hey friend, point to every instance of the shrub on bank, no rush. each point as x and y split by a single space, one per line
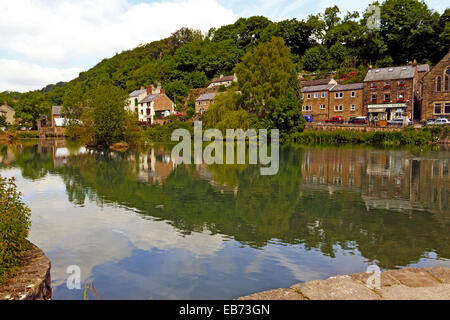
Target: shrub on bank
164 132
391 138
14 226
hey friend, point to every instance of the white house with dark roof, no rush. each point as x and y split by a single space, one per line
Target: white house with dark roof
223 81
134 98
155 106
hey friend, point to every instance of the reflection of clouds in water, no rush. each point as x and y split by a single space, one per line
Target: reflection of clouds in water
91 235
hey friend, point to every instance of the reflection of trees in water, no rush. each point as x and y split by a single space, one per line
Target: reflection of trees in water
236 200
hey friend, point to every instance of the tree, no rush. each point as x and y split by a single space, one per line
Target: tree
72 102
31 106
108 114
285 113
265 74
316 58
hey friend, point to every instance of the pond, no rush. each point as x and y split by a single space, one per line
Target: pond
140 227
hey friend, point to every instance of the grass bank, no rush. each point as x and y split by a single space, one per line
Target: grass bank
409 136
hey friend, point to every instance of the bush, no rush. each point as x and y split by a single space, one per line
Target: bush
14 226
164 133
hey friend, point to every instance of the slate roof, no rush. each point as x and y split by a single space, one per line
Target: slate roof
207 96
225 78
423 68
7 108
137 93
326 87
351 86
57 110
315 82
149 98
391 73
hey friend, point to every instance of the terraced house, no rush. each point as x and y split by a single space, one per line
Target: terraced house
316 101
391 92
436 91
346 100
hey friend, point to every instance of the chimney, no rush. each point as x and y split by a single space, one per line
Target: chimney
415 62
370 67
5 103
149 90
221 76
162 91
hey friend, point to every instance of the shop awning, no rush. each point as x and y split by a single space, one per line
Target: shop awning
377 110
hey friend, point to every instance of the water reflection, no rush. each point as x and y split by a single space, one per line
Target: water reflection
143 227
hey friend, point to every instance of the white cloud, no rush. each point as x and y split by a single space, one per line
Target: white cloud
59 34
24 76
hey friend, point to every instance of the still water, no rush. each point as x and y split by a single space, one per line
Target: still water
140 227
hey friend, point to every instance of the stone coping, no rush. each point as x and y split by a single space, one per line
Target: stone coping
403 284
32 281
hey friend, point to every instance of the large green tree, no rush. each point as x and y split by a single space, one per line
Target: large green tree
31 105
265 74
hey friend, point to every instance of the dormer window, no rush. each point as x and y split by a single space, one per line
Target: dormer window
373 85
401 83
387 84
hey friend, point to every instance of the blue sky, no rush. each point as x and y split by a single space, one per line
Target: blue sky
46 41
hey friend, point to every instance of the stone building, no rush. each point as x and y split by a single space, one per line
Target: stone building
203 102
391 92
316 101
346 100
223 81
155 107
134 98
436 91
8 112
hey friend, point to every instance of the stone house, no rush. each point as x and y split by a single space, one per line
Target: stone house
203 102
155 106
8 112
346 100
391 92
436 91
316 101
223 81
55 126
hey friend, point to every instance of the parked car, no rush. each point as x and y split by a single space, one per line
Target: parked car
399 121
430 122
441 121
336 119
358 120
308 118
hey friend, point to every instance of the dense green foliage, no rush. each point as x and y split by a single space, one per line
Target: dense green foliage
164 133
14 225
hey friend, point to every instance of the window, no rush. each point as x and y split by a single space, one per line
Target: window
148 112
438 84
374 98
401 83
338 108
401 97
353 94
437 108
316 95
323 94
387 97
387 84
373 85
309 95
446 83
307 108
353 107
338 95
322 107
447 108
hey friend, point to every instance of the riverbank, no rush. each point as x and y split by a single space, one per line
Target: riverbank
32 281
404 284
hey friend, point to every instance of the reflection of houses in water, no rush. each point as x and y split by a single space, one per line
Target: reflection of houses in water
155 166
392 180
58 150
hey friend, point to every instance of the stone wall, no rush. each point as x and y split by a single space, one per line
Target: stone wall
32 282
347 127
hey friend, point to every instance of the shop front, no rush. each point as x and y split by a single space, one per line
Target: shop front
381 113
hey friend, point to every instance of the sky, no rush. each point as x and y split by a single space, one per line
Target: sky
46 41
